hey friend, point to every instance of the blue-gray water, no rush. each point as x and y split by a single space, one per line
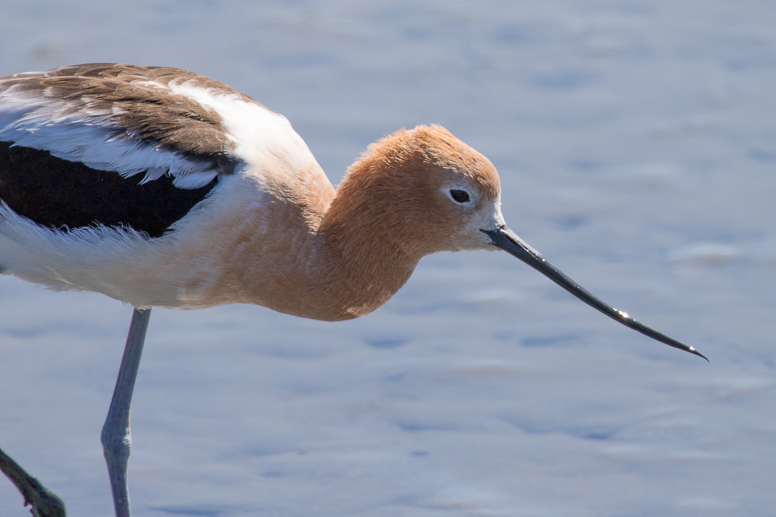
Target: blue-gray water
636 142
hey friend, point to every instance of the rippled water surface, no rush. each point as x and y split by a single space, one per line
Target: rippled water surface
636 142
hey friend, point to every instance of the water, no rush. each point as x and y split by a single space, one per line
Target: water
636 146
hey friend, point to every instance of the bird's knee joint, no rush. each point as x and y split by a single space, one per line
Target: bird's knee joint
116 444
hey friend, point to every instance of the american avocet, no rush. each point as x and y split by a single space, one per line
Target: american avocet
161 187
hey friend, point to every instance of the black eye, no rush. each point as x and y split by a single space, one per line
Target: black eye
459 196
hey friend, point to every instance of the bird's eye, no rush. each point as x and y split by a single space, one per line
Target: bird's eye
459 196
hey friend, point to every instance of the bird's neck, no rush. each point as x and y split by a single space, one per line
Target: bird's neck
340 257
367 246
363 267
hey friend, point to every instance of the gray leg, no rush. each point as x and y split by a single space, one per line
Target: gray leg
116 436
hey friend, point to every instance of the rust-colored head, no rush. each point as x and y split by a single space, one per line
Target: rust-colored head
423 191
413 193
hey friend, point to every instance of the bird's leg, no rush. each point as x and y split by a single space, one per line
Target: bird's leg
116 436
43 502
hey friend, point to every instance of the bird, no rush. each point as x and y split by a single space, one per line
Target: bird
160 187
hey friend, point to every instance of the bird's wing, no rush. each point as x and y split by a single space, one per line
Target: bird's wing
122 118
115 143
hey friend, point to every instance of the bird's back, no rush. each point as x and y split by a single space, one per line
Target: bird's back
145 183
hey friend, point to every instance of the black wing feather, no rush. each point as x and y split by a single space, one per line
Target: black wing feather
133 104
62 194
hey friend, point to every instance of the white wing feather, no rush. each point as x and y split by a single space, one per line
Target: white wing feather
91 138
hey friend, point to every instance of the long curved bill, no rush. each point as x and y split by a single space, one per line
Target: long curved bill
508 241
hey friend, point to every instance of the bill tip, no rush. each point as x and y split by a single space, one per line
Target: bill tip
693 351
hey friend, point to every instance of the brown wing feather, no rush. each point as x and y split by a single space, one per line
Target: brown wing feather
121 93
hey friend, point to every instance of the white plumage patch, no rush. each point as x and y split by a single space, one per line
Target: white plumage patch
254 130
179 270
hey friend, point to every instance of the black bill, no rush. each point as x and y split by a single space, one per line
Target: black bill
508 241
